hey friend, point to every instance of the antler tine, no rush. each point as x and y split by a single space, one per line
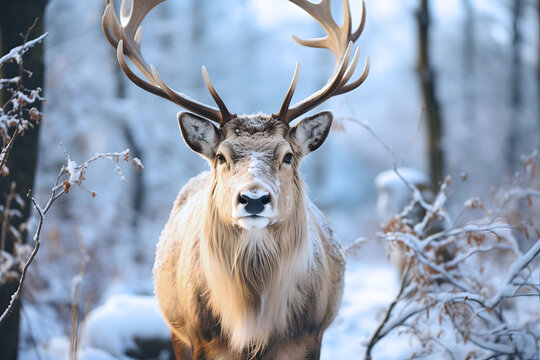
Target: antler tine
355 35
129 29
336 38
126 36
154 89
350 70
339 40
225 114
110 24
282 114
161 89
187 103
322 94
357 82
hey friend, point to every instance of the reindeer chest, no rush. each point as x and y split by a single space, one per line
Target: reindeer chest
252 326
259 296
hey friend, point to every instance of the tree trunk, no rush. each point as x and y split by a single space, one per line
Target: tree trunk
16 17
515 88
427 82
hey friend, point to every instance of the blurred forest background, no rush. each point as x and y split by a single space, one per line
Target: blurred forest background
453 89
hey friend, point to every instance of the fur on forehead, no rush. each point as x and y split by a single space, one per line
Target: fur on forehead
255 125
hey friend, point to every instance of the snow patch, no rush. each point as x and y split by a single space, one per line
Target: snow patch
113 326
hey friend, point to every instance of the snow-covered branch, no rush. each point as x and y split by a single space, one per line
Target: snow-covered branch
17 52
464 273
71 174
16 114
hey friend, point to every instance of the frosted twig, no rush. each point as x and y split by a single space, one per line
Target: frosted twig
4 82
469 228
518 192
16 295
7 149
17 52
75 172
400 320
446 348
377 335
355 245
473 251
417 196
5 218
496 348
415 135
515 269
14 117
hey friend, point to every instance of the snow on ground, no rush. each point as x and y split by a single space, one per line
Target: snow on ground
369 288
109 330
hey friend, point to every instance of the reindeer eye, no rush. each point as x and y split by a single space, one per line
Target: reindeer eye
287 159
220 158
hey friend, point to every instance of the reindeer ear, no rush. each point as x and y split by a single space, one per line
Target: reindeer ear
312 131
199 134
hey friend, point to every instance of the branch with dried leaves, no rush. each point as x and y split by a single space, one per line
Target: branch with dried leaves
468 278
71 174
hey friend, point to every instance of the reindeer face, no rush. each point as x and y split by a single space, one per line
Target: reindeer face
255 163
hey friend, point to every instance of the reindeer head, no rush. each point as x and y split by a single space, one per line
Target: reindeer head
254 158
255 162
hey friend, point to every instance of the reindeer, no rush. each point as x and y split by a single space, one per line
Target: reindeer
247 267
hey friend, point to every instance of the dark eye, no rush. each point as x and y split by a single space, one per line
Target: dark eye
220 158
287 159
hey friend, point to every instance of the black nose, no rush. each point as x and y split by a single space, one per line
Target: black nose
254 206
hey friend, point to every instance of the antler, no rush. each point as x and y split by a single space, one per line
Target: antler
126 36
339 40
